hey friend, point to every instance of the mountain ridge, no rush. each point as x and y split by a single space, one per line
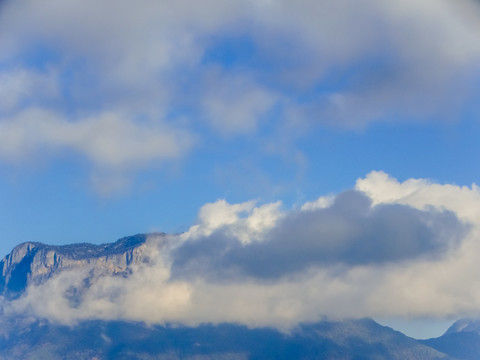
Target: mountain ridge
35 262
362 339
461 340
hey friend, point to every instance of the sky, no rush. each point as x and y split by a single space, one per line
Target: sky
337 139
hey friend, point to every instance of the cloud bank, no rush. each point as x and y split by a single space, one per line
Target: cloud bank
348 233
384 248
178 70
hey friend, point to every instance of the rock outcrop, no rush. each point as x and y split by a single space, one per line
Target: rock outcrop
33 262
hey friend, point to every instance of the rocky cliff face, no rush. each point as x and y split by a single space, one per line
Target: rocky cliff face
33 263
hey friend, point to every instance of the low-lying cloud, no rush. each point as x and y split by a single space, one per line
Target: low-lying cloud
383 249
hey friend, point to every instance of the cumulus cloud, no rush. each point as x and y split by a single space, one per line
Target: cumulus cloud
349 232
245 222
422 193
366 254
320 203
343 63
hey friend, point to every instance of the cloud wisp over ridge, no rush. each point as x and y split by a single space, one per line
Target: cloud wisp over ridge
371 251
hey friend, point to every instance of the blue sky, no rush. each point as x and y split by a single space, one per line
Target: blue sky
120 118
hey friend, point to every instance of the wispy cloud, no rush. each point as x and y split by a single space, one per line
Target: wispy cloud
113 142
340 63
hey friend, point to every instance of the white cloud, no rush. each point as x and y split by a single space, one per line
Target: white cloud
414 53
401 60
321 203
21 85
448 31
440 285
245 221
415 68
423 193
111 141
234 105
349 232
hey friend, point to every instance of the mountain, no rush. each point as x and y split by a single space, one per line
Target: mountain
461 340
346 340
33 262
24 337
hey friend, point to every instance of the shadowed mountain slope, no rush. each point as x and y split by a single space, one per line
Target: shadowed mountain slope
346 340
461 340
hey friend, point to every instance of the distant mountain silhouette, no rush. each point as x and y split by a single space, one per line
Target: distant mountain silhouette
345 340
461 340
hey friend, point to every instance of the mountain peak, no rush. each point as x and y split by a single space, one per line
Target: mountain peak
465 325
